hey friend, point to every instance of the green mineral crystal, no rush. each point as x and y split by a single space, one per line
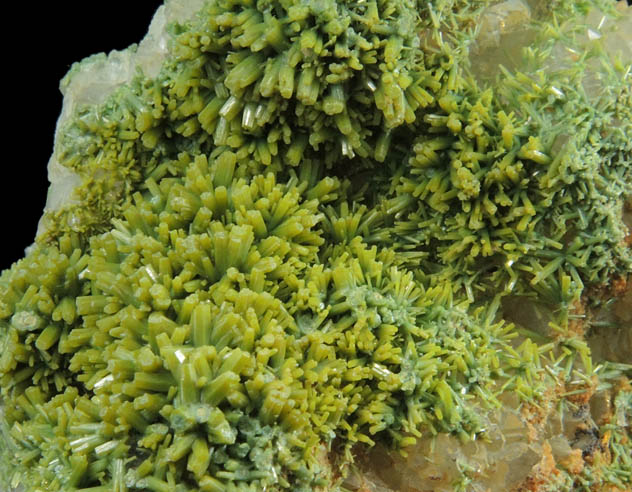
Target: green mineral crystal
319 231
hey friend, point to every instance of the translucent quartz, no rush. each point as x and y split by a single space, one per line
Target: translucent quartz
503 32
92 80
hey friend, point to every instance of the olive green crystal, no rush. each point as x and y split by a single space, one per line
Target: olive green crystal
323 229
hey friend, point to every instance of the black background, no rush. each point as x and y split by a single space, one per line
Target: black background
41 41
48 38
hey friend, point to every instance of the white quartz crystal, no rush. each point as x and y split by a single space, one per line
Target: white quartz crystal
93 79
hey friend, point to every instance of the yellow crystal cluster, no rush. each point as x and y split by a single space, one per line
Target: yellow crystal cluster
320 237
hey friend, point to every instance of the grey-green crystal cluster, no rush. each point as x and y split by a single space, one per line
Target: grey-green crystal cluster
296 231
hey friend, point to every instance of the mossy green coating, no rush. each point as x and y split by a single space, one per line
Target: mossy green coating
230 303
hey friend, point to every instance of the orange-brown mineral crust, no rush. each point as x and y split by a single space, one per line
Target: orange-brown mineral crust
542 473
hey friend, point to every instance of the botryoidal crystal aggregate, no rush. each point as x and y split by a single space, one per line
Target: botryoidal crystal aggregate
323 230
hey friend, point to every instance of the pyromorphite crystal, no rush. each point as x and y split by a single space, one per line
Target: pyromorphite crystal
333 246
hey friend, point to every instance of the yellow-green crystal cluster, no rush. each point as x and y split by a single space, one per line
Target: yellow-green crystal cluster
298 238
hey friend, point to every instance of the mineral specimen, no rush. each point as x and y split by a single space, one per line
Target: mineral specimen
337 246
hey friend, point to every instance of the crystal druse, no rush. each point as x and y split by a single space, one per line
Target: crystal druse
375 245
